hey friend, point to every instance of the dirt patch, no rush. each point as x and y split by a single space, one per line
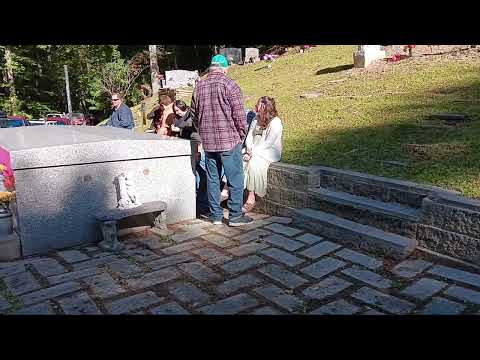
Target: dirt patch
436 151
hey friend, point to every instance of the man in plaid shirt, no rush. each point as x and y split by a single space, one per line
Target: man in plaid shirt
222 124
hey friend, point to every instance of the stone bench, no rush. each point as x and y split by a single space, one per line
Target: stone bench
108 221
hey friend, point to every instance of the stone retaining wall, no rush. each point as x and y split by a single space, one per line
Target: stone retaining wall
449 223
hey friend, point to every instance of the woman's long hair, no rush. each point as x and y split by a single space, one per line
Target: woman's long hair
268 110
181 105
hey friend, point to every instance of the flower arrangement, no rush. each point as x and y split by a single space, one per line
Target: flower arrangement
7 184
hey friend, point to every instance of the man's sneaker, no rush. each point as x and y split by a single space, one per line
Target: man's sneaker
242 220
209 217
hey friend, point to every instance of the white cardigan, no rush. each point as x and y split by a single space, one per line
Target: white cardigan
270 145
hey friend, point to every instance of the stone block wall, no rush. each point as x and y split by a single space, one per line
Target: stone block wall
449 223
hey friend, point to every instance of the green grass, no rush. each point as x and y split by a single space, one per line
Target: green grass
370 116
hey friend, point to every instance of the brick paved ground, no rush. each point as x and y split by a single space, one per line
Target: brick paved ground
265 268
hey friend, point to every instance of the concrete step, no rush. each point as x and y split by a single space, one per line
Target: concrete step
388 216
358 235
386 208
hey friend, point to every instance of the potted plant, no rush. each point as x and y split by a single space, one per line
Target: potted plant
7 193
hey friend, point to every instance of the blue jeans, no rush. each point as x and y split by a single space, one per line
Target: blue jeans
233 167
201 183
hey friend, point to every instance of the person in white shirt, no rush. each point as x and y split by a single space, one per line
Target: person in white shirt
263 146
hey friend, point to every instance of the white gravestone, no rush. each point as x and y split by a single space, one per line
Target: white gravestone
252 55
367 54
180 78
234 55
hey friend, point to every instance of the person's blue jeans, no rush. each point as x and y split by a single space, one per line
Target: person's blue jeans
201 180
233 167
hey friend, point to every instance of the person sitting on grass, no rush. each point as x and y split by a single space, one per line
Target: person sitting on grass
263 146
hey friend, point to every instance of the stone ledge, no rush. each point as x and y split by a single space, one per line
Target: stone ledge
292 176
292 197
449 216
452 216
383 182
358 235
359 202
449 243
457 200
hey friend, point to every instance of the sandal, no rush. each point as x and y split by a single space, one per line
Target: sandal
248 207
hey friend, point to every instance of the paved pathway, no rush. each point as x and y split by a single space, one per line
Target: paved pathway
268 267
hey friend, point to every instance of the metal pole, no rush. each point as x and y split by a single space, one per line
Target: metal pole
67 86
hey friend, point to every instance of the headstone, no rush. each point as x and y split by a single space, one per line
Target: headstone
252 55
180 78
64 175
367 54
234 55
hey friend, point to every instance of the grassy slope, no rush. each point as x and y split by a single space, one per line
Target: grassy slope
370 115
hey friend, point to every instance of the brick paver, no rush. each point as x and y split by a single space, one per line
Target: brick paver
44 308
463 294
71 256
284 242
325 288
278 296
386 302
188 293
309 238
424 288
132 303
235 284
283 276
283 230
243 264
172 308
368 277
410 268
320 249
441 306
456 275
323 267
103 286
358 258
21 283
79 304
339 307
231 305
50 292
282 256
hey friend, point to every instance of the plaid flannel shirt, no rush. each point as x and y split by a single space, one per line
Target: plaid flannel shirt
217 103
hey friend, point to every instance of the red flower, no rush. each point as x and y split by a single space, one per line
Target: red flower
8 179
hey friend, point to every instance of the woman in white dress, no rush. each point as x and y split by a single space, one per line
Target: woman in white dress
263 146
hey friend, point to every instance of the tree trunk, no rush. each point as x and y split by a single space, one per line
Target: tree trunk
175 66
154 71
9 71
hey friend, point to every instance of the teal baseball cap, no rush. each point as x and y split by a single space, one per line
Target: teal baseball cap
220 60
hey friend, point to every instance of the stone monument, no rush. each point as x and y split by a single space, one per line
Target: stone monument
252 55
233 55
180 78
65 175
366 54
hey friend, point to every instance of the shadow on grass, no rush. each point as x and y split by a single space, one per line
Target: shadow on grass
331 70
380 149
